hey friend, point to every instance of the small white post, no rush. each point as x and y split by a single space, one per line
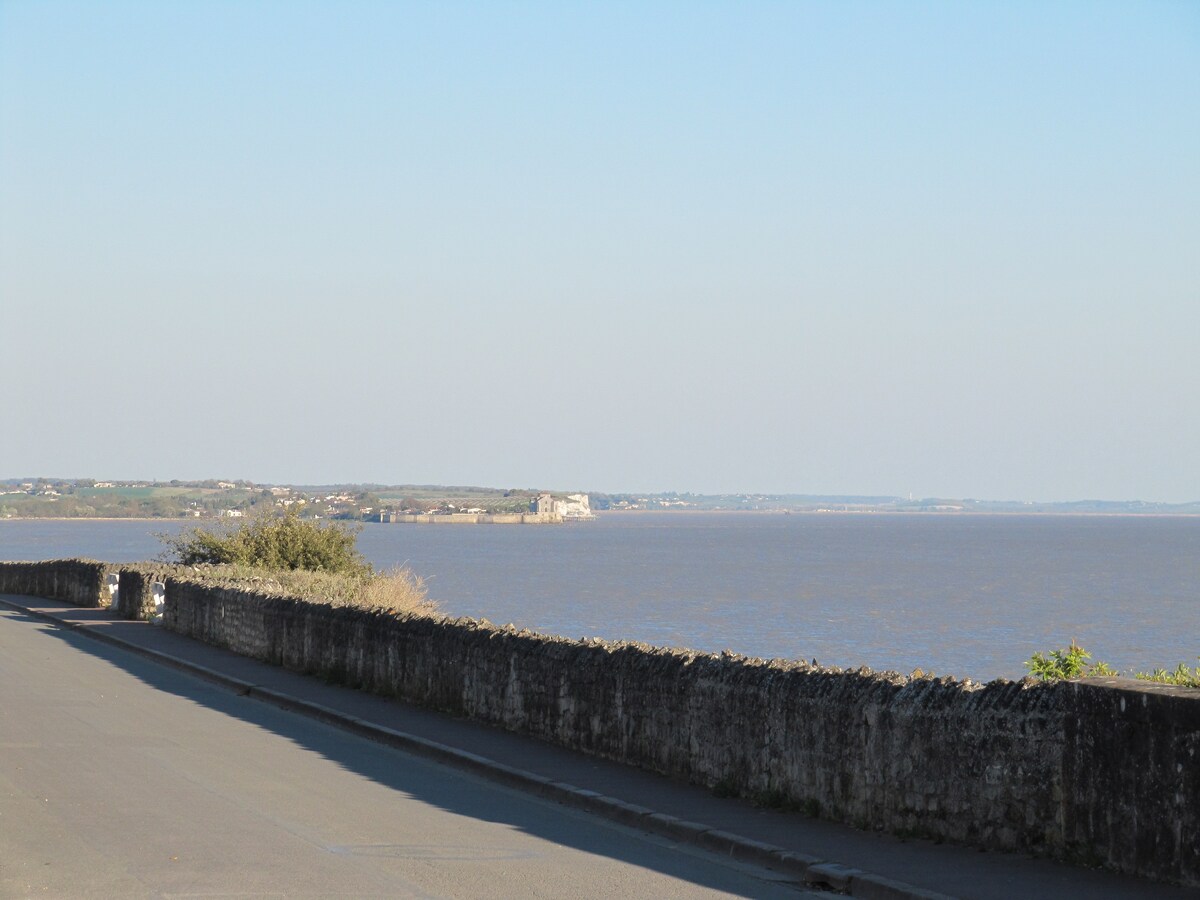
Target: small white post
158 591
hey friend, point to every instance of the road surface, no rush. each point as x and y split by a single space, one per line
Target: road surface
121 778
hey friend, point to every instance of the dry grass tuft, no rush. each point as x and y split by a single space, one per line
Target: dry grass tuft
397 591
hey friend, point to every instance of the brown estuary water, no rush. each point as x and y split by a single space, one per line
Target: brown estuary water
964 595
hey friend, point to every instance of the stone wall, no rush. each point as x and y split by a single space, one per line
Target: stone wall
1102 771
136 595
1131 776
80 582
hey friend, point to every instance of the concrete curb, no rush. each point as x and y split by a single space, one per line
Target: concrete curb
809 870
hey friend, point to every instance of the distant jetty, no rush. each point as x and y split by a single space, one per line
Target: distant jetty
546 509
472 518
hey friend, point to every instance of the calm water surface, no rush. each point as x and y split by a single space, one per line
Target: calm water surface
961 595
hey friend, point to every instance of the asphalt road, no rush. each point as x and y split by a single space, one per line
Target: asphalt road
121 778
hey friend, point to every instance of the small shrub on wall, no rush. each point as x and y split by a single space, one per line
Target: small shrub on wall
272 541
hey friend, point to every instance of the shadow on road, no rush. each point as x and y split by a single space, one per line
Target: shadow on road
412 776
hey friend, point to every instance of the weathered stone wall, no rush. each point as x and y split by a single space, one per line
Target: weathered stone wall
1104 771
1099 771
1131 776
80 582
136 597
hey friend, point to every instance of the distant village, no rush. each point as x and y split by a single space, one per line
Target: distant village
218 499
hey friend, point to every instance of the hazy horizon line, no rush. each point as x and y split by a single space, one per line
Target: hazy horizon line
812 494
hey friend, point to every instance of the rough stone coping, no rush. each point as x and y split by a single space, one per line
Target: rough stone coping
808 869
920 681
668 655
65 559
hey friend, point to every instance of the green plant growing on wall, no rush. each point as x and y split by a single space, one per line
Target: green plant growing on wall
1182 676
1070 662
272 541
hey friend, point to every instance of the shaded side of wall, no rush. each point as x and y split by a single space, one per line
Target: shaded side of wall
80 582
1095 772
136 591
1131 777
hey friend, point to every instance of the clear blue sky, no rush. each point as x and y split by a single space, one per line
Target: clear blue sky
946 248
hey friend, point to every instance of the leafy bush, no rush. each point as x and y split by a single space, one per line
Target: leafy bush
1070 662
1182 676
273 542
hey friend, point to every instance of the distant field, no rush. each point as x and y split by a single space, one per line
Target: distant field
142 493
442 494
152 501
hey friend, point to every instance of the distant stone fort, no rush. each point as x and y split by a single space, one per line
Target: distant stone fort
575 506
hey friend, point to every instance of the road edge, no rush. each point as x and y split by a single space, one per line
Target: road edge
810 870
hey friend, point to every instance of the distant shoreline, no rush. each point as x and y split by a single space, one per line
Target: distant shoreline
972 514
99 519
634 513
